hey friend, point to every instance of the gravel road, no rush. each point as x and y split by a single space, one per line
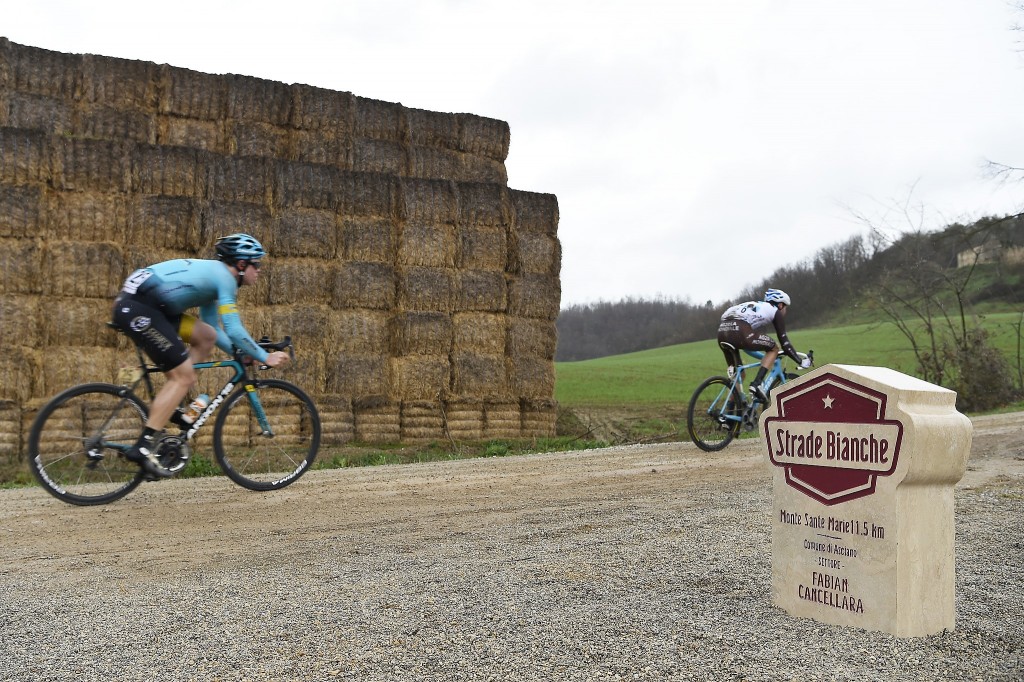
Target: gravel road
628 563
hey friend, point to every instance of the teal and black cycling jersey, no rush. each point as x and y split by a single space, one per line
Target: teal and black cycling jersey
177 285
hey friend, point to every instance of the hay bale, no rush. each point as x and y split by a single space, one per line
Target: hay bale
321 146
426 289
22 213
484 136
337 421
88 216
429 201
67 366
479 333
172 171
39 112
433 128
479 375
420 377
379 156
484 204
377 120
120 84
193 95
531 338
107 123
91 165
502 419
421 421
368 194
141 256
82 269
482 291
253 138
167 223
377 423
257 99
535 212
368 239
421 333
247 180
537 254
464 419
10 430
364 285
536 296
44 72
474 168
24 156
21 264
300 280
21 313
320 109
309 232
311 185
531 377
309 371
431 162
19 374
432 245
310 326
227 217
483 248
357 331
539 418
358 374
210 136
76 322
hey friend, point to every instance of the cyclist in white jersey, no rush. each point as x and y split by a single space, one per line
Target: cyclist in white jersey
739 330
151 310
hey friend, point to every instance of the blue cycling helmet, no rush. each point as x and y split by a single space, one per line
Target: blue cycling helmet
241 246
776 296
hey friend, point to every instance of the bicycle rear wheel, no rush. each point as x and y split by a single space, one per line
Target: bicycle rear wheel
706 418
76 444
267 460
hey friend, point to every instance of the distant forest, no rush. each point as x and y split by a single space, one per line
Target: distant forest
836 279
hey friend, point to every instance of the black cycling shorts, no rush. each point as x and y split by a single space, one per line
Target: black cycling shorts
159 335
743 337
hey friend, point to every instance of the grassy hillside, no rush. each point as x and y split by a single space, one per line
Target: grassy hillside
666 377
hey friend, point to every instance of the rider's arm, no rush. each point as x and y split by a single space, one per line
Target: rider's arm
787 346
234 332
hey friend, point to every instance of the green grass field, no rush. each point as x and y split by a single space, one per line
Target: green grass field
666 377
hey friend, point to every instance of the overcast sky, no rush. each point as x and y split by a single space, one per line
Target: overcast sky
695 146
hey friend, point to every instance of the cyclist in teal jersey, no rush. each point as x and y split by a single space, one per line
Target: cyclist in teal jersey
151 310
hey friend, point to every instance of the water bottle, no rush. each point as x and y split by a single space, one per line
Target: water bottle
196 408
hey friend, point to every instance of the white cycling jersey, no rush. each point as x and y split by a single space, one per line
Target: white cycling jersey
755 313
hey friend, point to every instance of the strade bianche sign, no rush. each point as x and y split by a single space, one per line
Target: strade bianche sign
832 439
864 463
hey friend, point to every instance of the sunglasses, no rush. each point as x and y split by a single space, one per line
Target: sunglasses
255 264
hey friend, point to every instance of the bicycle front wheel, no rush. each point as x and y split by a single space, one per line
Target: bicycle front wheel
707 419
77 441
266 438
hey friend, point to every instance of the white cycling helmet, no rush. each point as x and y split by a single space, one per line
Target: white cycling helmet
776 296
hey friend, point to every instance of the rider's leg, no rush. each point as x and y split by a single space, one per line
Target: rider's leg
200 336
179 381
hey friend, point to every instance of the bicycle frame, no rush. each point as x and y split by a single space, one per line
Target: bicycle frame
238 376
776 373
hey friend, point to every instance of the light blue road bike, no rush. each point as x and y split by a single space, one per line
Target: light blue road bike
721 409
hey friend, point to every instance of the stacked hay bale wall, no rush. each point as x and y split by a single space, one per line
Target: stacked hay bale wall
420 289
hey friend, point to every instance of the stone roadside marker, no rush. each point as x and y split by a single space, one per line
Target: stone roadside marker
865 460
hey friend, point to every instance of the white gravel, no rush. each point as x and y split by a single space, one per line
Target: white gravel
620 584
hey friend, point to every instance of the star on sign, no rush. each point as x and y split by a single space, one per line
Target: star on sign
828 400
